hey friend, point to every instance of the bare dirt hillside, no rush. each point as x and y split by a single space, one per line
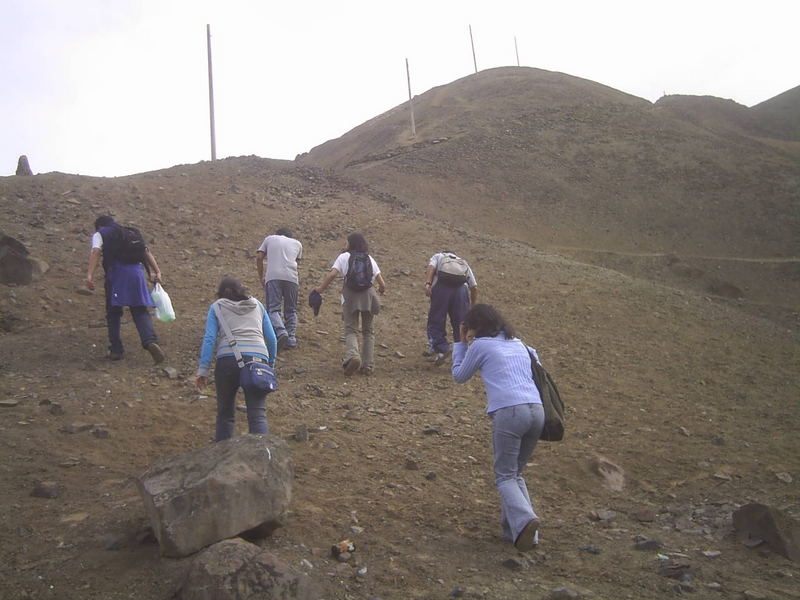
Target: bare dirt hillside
694 398
689 190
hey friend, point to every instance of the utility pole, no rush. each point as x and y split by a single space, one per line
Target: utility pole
516 49
211 96
410 102
472 42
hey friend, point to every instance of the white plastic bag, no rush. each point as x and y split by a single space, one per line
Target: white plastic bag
164 310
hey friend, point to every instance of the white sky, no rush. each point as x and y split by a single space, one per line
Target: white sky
115 87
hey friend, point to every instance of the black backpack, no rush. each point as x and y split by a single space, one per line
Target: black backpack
126 245
554 418
359 272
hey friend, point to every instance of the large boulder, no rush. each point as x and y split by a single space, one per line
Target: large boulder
756 522
238 570
241 486
15 265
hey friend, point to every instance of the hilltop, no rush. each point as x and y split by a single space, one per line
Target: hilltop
676 191
692 393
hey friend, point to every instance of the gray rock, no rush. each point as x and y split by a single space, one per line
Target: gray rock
241 486
239 570
563 593
47 489
23 167
170 372
15 264
761 522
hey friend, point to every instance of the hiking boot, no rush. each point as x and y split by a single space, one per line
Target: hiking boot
282 339
156 352
291 343
528 537
351 366
115 356
365 371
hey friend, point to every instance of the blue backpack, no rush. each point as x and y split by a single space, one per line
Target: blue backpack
359 272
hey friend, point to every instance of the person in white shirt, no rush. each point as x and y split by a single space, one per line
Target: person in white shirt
450 296
281 283
359 300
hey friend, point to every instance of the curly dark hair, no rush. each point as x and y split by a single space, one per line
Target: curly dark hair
232 289
356 242
487 322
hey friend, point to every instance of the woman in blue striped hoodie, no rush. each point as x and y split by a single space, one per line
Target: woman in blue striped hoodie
514 405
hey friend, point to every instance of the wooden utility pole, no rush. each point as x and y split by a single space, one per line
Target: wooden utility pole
472 42
516 50
211 96
410 102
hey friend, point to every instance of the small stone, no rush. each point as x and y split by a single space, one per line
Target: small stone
684 431
457 593
603 515
8 403
430 476
648 545
76 427
299 370
47 489
784 477
171 372
431 431
591 549
712 553
563 593
101 433
356 529
722 476
514 564
56 409
344 557
713 585
301 433
82 291
399 354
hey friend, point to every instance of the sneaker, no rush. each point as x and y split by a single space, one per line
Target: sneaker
351 366
291 343
115 356
282 339
156 352
365 371
428 351
528 537
439 359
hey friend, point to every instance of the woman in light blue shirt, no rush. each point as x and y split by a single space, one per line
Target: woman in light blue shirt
513 403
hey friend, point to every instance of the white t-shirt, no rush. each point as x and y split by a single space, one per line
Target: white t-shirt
97 240
281 254
436 259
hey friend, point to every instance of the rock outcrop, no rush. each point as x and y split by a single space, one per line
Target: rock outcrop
240 486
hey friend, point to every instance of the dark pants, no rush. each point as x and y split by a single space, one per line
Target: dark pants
446 301
226 381
141 318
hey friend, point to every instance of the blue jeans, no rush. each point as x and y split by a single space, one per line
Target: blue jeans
226 382
282 294
446 301
515 431
141 318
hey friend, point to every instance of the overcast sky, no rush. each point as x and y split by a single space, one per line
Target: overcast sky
115 87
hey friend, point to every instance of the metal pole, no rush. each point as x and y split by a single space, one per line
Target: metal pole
516 49
472 42
211 96
410 102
